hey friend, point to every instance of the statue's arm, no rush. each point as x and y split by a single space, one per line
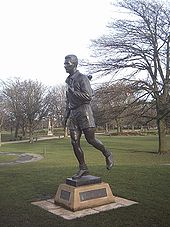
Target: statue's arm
67 112
83 90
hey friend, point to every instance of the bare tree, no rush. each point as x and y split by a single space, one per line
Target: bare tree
109 104
35 104
57 102
116 103
137 49
27 102
13 96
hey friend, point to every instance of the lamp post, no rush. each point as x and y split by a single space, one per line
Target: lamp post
49 127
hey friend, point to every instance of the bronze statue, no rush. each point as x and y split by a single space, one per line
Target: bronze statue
79 112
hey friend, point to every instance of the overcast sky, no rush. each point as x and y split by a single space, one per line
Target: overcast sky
37 34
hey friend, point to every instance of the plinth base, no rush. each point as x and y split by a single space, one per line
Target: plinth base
84 180
87 196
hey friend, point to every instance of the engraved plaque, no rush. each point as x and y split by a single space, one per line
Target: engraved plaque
65 195
93 194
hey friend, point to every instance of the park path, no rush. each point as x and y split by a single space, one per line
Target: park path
38 139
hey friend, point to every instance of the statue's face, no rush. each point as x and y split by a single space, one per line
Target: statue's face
69 66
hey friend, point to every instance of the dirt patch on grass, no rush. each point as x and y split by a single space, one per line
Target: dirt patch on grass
20 158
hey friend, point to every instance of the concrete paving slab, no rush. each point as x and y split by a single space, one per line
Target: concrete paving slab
46 205
69 215
50 206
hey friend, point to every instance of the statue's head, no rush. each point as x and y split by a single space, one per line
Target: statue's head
72 58
70 64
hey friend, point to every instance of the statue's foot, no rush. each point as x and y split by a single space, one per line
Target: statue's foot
80 173
109 161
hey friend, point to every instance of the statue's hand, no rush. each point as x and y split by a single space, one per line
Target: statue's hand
66 116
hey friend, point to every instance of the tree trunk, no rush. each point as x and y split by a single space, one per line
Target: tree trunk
31 133
133 127
0 134
119 126
23 131
0 138
16 130
162 136
65 132
107 128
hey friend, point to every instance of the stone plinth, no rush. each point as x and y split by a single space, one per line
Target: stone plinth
82 197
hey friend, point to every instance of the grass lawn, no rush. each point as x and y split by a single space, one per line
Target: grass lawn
139 174
7 158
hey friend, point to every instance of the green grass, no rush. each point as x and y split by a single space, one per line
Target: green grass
139 175
7 158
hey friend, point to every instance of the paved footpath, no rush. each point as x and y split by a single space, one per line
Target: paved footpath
38 139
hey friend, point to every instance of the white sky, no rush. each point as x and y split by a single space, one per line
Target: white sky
35 35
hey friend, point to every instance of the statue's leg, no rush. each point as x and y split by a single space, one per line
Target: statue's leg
91 139
75 141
